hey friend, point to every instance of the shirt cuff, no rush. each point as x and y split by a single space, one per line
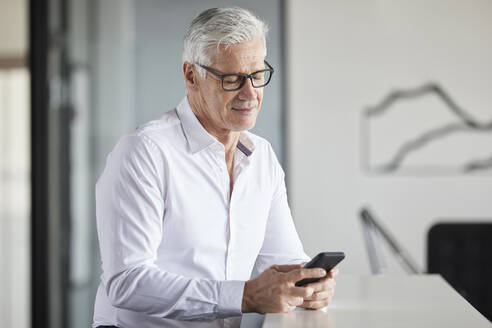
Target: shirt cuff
230 298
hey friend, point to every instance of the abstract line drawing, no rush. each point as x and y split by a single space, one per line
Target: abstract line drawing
479 164
462 122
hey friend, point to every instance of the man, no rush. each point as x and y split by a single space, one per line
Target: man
187 204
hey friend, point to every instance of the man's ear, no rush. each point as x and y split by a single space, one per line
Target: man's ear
190 76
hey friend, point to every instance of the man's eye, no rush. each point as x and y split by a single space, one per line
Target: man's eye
259 76
232 79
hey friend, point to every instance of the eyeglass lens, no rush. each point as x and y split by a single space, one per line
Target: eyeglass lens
259 79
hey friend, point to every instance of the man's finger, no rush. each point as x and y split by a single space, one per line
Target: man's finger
304 292
316 305
286 267
324 284
319 296
333 272
295 301
302 273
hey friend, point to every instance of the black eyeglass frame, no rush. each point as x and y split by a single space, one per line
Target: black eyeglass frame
245 76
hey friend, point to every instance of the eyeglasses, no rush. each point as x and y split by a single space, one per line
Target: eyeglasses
235 81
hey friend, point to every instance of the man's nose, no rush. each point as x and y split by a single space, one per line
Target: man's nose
247 91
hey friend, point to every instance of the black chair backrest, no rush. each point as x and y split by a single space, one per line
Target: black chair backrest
462 254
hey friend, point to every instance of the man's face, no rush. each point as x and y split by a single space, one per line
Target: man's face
232 110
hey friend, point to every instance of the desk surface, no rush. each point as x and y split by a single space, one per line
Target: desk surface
387 301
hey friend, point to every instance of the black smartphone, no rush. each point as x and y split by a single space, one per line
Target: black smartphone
326 260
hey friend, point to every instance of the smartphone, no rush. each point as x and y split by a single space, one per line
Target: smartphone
326 260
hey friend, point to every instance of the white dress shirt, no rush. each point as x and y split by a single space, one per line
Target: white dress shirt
175 248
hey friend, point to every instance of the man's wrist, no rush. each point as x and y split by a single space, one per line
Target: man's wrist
247 303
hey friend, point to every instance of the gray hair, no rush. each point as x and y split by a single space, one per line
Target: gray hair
220 26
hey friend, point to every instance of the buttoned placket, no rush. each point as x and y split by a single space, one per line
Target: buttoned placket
240 161
218 151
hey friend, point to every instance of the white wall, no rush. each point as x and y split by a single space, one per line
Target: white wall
345 55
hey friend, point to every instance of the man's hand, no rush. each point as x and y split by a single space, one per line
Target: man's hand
323 291
274 289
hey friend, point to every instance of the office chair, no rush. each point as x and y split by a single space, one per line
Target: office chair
462 254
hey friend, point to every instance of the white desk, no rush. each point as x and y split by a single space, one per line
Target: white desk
387 301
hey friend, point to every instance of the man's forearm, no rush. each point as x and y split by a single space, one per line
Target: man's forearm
156 292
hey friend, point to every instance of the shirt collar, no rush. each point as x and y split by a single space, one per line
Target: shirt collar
245 144
198 138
